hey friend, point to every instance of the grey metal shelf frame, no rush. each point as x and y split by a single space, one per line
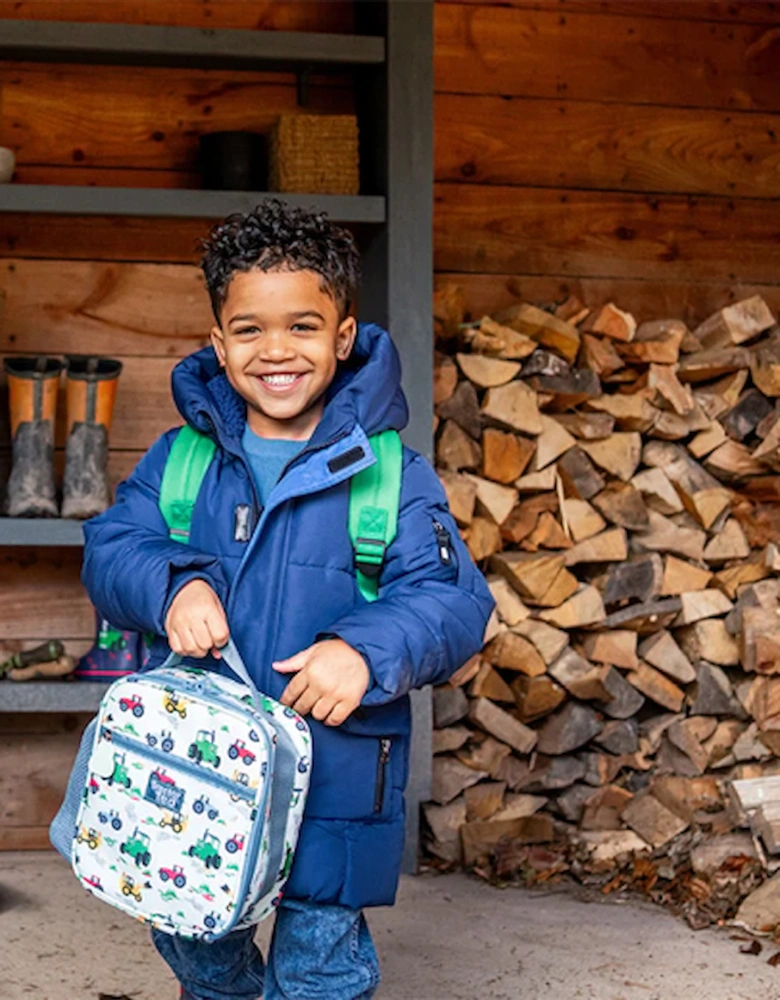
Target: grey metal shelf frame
43 531
391 60
176 203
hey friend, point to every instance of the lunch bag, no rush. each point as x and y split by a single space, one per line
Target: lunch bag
184 805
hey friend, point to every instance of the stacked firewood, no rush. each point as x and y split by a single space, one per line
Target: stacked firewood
617 483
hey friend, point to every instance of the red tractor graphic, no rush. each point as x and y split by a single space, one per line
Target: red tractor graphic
236 843
175 874
240 749
132 704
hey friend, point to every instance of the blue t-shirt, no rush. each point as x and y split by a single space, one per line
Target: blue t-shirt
267 458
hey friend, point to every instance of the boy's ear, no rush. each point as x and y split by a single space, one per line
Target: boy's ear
218 343
345 338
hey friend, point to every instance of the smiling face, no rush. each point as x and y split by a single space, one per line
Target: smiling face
280 340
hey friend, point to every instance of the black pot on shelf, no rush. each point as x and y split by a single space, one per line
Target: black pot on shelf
234 161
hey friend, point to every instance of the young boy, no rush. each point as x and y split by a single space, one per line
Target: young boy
290 390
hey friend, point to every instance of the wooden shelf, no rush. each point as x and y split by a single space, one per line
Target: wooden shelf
176 203
51 696
155 45
40 531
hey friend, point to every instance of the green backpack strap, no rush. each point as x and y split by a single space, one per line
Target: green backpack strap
374 498
189 458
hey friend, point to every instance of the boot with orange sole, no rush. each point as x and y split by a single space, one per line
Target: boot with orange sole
32 396
92 384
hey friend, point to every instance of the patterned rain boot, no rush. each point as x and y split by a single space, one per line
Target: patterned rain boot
92 384
32 397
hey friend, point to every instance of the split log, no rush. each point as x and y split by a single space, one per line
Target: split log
733 577
445 823
709 364
661 651
583 520
484 800
469 670
657 342
505 456
544 328
538 577
537 482
729 543
600 356
445 378
480 839
631 413
622 504
619 736
488 683
450 778
548 641
515 406
456 450
523 519
451 738
485 755
486 372
493 500
501 341
513 652
765 366
617 647
760 640
483 538
665 536
536 697
663 379
706 441
544 362
503 726
701 494
714 694
735 324
587 426
698 605
604 807
612 322
618 454
566 391
640 580
579 477
511 609
652 821
741 420
656 687
461 496
548 534
681 576
463 408
709 640
733 460
609 546
568 729
581 678
657 490
553 442
647 617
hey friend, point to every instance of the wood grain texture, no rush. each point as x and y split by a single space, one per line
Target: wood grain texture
601 146
75 307
33 777
141 117
511 50
730 11
603 234
690 301
41 596
269 15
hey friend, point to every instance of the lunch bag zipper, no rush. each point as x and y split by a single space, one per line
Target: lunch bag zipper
384 756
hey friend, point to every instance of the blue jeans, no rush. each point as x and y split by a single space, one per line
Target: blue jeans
317 952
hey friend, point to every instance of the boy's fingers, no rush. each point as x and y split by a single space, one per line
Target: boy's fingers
292 663
294 690
322 709
201 634
306 702
174 641
337 715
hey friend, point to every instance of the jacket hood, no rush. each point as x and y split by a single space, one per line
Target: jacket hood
366 391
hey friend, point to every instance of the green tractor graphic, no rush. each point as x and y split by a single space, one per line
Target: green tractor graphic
207 850
119 775
204 749
137 846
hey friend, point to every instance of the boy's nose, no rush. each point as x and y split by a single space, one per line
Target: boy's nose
276 347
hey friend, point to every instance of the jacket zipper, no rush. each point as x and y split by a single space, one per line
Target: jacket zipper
444 543
384 756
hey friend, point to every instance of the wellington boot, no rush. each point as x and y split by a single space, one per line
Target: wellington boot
32 396
92 384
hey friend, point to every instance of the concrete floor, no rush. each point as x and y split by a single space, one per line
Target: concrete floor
448 938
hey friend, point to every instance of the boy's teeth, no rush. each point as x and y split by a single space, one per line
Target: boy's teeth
279 379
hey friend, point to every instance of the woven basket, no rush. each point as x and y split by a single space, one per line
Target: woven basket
315 154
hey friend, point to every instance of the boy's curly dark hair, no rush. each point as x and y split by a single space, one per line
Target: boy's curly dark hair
276 236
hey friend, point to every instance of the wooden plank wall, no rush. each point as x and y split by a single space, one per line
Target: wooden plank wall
626 150
122 288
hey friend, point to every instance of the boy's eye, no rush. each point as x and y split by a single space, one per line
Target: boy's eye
303 326
247 329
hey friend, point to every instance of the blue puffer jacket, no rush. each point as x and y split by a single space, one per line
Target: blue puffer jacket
293 582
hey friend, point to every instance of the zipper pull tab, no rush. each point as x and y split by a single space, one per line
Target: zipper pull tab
444 541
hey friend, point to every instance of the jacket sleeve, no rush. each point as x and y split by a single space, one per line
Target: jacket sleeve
132 570
431 613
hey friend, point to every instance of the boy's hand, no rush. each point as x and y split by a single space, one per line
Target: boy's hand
330 680
196 623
